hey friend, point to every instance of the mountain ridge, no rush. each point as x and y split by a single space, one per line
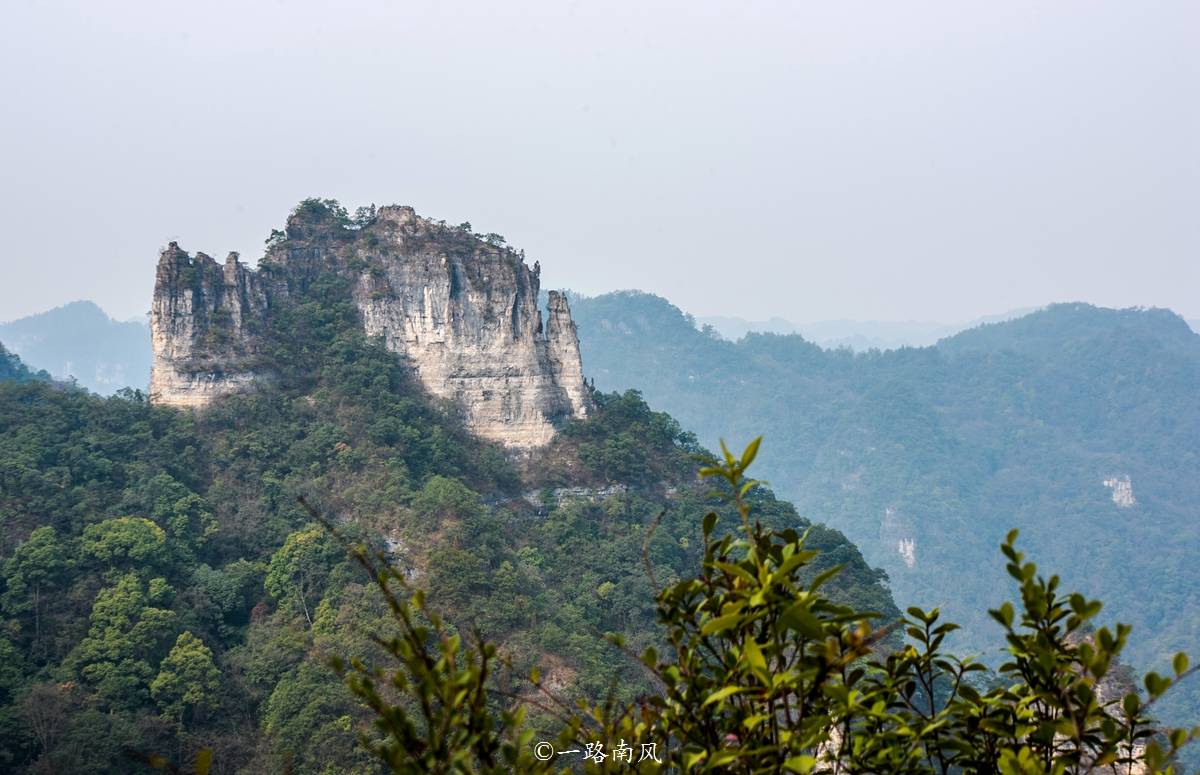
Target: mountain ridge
79 340
1076 424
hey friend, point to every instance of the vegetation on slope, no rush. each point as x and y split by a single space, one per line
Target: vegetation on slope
765 674
1015 424
163 590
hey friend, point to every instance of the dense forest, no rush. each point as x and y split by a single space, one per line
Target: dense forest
174 582
165 589
925 457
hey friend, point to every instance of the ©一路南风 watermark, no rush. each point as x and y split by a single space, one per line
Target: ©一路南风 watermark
594 752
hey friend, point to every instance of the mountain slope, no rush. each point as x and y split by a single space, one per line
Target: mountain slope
858 335
79 340
1078 425
140 543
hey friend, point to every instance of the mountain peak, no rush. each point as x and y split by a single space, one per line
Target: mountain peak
461 310
1069 324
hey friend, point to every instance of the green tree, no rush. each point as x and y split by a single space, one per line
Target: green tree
310 727
184 515
188 683
445 498
125 542
297 571
128 632
36 568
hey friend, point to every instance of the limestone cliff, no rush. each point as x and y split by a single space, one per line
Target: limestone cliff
203 323
460 311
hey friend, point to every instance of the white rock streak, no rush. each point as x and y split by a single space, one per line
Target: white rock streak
1122 490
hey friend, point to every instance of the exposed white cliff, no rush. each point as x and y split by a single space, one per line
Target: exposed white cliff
202 347
1122 491
461 312
898 530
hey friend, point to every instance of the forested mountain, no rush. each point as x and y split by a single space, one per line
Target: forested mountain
163 588
80 340
1078 425
858 335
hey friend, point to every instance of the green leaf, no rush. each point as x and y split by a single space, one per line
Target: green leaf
793 562
722 693
1004 614
1156 684
755 720
720 623
751 452
917 614
803 763
1180 663
710 521
724 756
798 617
753 654
736 570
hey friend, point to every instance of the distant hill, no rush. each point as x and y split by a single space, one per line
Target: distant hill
858 335
1078 425
80 340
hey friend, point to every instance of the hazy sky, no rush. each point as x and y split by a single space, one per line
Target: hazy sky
897 160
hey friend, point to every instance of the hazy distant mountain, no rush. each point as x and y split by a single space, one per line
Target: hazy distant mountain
1078 425
858 335
79 340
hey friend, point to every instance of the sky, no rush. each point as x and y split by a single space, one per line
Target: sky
823 160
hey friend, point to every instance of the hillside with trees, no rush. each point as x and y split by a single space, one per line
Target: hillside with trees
168 587
1078 425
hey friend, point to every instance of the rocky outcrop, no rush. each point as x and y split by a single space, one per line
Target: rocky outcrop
203 328
463 313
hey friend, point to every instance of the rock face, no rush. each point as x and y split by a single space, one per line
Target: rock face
1122 491
898 530
203 328
461 312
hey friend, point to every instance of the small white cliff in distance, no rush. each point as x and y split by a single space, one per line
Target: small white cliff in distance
1122 490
